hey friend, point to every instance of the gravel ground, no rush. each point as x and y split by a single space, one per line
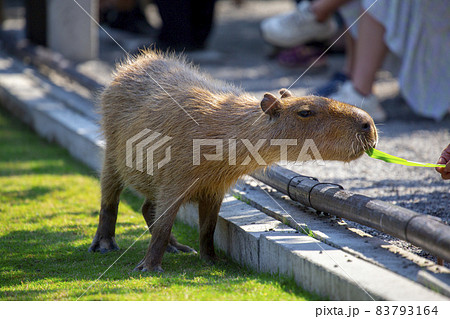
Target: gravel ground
237 54
419 189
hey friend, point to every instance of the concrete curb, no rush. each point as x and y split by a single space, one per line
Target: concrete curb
245 233
335 232
29 99
264 244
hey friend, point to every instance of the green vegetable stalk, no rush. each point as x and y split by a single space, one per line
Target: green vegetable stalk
374 153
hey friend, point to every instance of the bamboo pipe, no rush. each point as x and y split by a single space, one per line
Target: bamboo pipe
424 231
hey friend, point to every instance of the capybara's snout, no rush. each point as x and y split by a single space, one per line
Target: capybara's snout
361 131
366 125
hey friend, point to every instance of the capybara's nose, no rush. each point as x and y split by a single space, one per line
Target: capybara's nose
369 130
364 121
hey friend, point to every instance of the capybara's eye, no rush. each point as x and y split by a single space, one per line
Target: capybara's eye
304 113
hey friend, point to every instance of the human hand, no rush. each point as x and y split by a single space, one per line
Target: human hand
444 159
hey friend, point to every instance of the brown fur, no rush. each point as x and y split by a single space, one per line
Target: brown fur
134 101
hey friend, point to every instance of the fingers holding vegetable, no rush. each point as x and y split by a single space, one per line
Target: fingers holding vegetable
444 159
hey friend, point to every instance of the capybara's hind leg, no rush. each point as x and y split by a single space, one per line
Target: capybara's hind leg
148 211
104 240
165 214
208 210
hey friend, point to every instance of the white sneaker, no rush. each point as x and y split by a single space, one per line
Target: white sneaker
348 94
295 28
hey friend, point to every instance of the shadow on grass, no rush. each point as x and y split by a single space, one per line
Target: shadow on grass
48 255
31 193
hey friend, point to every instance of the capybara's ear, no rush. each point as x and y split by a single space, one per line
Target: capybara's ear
270 104
285 93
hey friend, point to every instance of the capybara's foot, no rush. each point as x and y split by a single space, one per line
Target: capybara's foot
172 249
103 245
177 247
142 266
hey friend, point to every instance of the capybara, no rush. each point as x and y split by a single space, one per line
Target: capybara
161 97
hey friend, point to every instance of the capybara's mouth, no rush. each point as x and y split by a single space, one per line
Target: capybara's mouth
363 143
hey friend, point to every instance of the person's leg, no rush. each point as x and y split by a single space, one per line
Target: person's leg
176 31
364 60
340 77
125 5
323 9
201 21
126 15
370 51
350 45
36 21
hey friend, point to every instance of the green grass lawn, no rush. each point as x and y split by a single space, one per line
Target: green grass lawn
48 215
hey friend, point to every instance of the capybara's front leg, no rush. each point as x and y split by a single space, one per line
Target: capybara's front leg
148 211
104 240
161 232
208 210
